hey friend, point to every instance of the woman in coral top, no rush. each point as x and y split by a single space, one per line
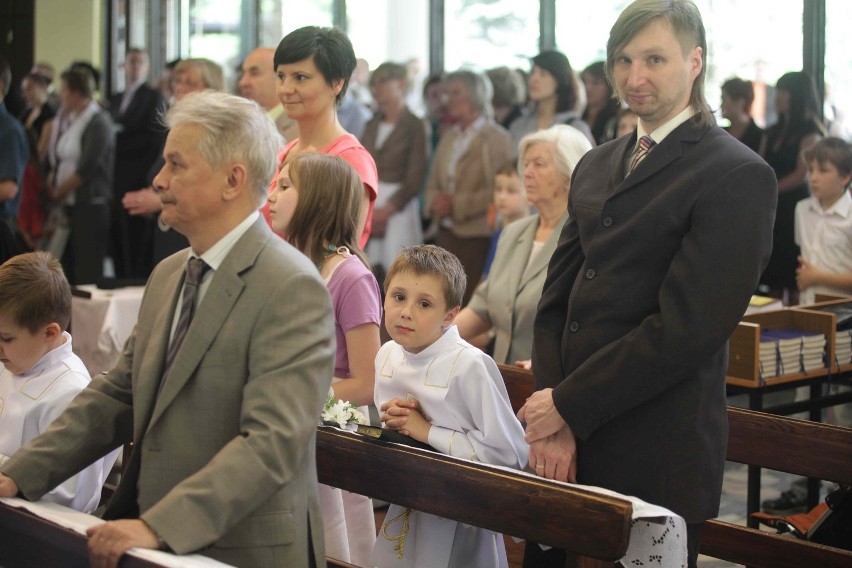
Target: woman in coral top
313 66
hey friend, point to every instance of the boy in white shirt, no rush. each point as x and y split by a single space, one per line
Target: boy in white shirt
824 222
438 389
39 374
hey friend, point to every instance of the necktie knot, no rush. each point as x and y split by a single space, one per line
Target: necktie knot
642 148
195 269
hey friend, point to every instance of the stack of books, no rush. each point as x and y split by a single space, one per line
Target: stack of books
790 351
843 347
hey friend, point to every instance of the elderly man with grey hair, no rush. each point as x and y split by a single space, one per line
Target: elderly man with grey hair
221 407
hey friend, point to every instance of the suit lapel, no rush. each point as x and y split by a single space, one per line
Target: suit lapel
521 251
154 356
670 149
541 261
218 301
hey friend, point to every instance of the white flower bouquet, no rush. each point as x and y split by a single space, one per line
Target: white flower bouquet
342 413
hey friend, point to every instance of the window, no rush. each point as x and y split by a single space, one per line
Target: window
214 33
280 17
838 62
488 33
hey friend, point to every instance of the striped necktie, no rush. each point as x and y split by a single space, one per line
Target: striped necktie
642 148
195 269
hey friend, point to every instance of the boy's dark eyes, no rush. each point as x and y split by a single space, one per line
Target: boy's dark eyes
425 304
399 297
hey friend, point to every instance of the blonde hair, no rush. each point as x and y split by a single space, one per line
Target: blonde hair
211 72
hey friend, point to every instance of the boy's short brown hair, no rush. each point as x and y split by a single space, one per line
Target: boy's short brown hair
835 151
508 168
431 260
34 291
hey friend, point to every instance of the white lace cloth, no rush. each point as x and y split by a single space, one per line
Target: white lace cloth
79 522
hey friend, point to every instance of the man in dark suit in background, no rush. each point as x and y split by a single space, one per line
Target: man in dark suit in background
139 139
669 231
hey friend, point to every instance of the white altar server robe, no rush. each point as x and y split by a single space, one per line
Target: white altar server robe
462 394
31 401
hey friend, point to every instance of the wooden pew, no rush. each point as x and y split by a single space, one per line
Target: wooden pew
585 523
810 449
28 540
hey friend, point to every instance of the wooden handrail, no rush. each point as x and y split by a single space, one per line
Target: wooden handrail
29 540
811 449
513 503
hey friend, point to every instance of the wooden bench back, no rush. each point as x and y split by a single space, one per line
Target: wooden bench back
785 444
494 498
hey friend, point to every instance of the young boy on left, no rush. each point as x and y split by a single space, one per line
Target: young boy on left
39 374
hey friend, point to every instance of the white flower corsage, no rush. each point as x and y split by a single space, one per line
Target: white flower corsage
342 413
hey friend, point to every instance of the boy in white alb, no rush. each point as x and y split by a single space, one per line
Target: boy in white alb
824 222
438 389
39 374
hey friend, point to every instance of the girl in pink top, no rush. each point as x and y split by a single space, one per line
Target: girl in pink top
317 204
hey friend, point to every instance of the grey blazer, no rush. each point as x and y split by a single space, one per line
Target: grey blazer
226 450
508 297
652 273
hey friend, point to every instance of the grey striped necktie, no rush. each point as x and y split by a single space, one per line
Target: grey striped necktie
195 269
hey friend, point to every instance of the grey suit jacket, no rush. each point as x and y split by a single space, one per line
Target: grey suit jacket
226 450
508 297
651 275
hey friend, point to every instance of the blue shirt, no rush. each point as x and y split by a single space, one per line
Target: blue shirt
13 158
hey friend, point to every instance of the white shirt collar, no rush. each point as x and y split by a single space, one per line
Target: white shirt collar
842 207
217 253
474 127
666 128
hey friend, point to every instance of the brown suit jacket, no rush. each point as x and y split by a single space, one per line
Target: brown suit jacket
474 177
402 158
651 275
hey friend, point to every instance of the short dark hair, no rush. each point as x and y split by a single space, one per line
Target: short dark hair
79 81
34 291
557 64
390 70
431 260
834 151
508 168
87 67
739 89
330 49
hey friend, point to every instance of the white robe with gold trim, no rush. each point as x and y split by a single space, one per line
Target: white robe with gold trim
461 393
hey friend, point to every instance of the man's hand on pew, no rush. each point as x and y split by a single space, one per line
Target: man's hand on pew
109 541
8 488
555 457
